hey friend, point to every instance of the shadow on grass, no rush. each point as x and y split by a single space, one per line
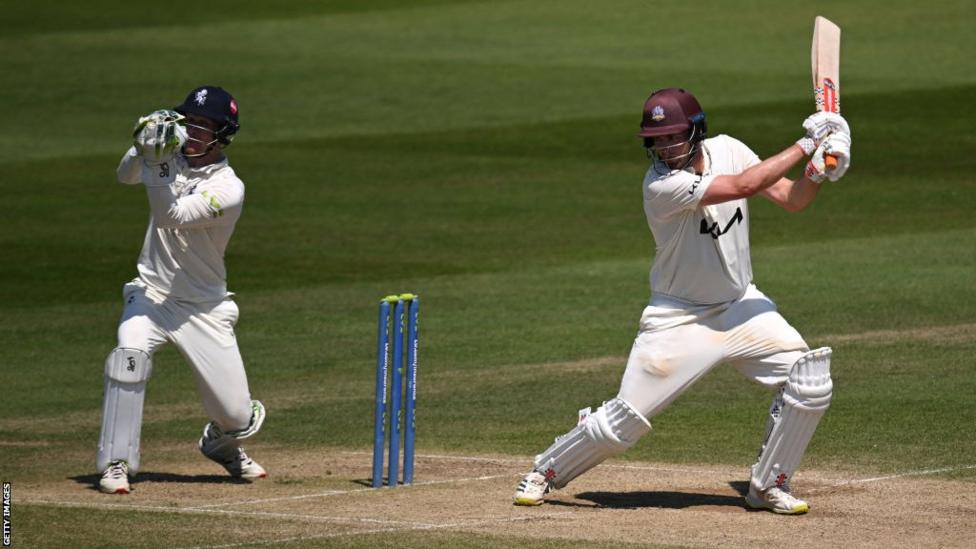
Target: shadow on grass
150 476
662 500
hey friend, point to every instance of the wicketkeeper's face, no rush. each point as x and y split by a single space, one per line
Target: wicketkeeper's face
201 133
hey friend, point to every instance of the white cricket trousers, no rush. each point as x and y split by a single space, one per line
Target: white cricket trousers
678 343
204 334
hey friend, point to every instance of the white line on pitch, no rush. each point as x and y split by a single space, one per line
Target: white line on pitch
889 477
343 492
463 524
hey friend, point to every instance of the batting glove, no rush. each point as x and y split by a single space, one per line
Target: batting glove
808 145
821 124
837 145
159 135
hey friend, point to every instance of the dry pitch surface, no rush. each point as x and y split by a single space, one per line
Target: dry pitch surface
321 498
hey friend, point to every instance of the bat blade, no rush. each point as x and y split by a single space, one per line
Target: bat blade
825 68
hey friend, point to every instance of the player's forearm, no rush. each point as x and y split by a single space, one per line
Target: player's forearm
199 209
802 194
765 174
130 168
793 196
759 178
171 211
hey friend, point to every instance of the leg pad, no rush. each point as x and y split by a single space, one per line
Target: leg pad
126 374
793 418
613 428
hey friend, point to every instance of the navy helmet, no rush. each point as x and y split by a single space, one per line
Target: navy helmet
217 104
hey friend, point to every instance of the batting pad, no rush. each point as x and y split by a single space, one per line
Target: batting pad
126 373
793 419
610 430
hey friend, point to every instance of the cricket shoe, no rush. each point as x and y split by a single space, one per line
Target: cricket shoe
244 467
115 478
224 449
532 489
777 500
240 465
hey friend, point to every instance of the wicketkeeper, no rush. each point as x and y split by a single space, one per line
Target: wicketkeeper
180 294
704 309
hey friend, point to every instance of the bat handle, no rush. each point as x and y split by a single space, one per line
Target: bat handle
830 161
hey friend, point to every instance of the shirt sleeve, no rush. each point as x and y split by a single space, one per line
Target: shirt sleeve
673 193
202 209
742 156
130 168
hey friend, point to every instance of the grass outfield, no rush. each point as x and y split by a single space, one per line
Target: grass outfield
483 155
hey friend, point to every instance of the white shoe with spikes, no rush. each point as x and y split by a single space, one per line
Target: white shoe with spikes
532 489
777 500
115 478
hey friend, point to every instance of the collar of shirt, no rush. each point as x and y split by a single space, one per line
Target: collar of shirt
204 171
706 162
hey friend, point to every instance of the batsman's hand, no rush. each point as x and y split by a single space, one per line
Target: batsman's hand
159 135
821 124
837 145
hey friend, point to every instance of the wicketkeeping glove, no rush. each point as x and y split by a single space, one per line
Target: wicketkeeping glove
159 135
837 145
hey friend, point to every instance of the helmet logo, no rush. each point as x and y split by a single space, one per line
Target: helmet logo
657 114
233 106
201 97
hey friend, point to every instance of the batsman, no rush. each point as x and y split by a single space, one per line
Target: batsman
180 294
704 308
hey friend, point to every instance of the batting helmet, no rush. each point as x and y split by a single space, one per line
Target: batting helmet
215 103
670 111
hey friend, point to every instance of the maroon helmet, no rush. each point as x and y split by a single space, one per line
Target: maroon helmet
670 111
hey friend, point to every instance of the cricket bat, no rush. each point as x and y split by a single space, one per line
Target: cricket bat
825 67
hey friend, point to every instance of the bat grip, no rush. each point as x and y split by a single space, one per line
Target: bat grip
830 161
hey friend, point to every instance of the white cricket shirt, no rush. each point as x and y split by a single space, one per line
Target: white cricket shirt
702 252
192 216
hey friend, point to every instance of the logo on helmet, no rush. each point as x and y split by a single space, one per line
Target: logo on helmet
657 114
201 97
233 106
